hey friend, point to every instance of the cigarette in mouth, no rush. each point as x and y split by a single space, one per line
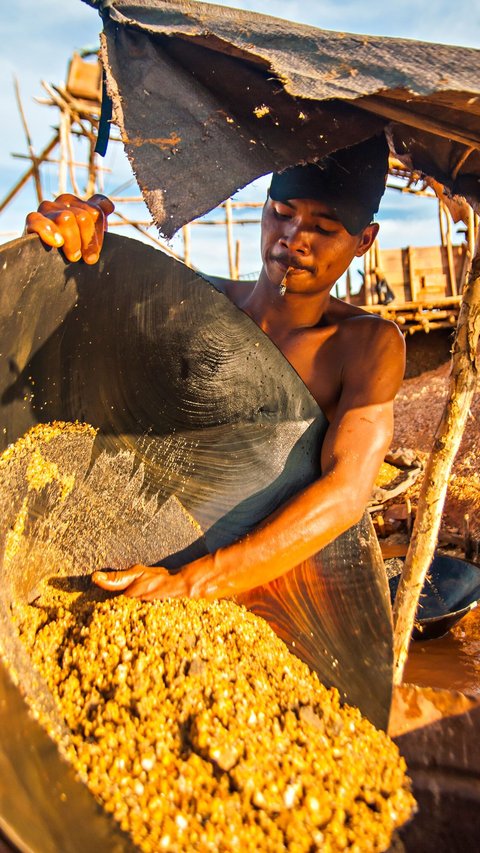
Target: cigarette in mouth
283 283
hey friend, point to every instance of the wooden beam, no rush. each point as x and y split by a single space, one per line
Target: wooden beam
405 115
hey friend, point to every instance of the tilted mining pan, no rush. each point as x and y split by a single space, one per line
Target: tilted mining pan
202 430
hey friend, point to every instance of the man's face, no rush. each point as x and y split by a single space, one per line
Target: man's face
306 235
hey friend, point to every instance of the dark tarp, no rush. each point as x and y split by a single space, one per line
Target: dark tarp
209 98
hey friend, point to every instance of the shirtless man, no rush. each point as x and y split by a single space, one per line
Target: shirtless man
316 219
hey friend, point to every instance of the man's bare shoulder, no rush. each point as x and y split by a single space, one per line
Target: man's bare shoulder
358 322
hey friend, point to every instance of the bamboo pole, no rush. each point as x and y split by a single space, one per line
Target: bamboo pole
237 259
230 249
441 223
367 278
471 238
451 264
448 436
33 157
92 168
62 169
187 259
28 174
411 274
348 283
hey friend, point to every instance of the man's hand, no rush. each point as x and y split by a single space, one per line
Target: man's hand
145 582
74 225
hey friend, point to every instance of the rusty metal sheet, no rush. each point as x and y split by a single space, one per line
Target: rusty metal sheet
203 90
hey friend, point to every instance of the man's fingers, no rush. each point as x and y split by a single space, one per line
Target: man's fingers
89 230
117 580
77 225
45 228
103 202
67 224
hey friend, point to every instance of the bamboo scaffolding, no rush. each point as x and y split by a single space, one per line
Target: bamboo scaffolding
33 157
28 174
434 486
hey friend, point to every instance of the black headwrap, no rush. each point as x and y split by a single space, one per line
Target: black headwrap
351 181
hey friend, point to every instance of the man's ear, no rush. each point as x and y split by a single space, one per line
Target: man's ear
367 238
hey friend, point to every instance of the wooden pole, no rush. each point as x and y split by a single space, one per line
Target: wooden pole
229 224
471 237
35 160
367 278
441 223
237 259
448 436
62 169
451 266
28 174
411 274
186 245
92 169
348 297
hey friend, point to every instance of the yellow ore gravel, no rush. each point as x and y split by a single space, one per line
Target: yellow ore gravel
198 730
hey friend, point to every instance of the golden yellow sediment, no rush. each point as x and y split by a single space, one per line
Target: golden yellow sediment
45 433
14 537
198 730
386 475
40 471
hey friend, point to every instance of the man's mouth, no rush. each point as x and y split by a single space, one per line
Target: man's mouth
288 262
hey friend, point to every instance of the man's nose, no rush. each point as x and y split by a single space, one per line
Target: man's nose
296 238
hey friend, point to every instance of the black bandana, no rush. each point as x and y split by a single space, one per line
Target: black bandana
351 181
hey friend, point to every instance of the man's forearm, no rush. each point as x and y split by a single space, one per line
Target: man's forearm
292 534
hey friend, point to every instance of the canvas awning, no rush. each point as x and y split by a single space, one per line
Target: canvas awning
208 98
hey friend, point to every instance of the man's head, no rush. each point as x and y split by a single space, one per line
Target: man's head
351 181
318 217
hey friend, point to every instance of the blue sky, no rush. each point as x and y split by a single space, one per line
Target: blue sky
40 36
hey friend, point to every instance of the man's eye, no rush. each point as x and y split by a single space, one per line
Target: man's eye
321 230
278 215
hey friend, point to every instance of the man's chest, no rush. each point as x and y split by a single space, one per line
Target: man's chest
317 357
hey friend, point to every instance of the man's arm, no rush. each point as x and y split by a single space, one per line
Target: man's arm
352 452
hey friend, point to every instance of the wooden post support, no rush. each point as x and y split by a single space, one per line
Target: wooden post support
237 259
367 278
411 274
230 249
450 261
187 258
441 209
348 297
449 433
471 236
